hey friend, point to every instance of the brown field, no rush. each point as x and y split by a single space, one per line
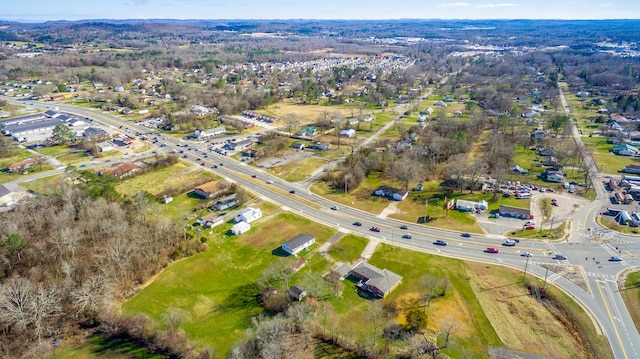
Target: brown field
528 327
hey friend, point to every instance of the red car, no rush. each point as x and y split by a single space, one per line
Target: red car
492 250
530 227
375 229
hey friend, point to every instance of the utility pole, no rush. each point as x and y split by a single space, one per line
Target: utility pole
426 208
525 268
545 279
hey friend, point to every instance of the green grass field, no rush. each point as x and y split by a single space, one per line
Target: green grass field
217 287
348 248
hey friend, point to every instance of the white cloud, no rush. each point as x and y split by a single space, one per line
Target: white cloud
497 5
454 4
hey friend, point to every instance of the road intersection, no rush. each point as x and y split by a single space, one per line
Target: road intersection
586 275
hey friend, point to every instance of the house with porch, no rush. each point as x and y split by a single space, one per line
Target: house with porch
298 243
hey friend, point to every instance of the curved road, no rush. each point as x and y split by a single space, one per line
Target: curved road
587 247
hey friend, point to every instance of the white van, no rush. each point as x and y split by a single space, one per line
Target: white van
522 195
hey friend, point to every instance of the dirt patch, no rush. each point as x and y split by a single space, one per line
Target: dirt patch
521 322
390 209
573 273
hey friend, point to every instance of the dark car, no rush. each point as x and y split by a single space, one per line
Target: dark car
440 242
292 192
185 156
466 235
406 236
254 176
615 259
203 164
560 257
358 224
215 166
374 229
404 226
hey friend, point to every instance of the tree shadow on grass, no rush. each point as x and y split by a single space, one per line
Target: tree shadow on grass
244 296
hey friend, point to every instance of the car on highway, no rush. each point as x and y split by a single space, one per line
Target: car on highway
404 226
335 208
615 259
509 243
559 257
292 192
254 176
526 254
374 229
269 182
492 250
440 242
406 236
185 156
465 235
215 166
203 164
357 224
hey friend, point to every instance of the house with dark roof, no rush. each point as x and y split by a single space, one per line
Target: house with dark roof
297 292
516 212
298 243
379 282
390 193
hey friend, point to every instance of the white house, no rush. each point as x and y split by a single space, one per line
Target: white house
298 243
390 193
248 215
348 133
240 228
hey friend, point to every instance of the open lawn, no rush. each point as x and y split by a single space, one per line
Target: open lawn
299 170
217 288
545 234
348 248
360 198
18 156
157 181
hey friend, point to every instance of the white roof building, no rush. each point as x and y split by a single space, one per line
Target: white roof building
248 215
240 228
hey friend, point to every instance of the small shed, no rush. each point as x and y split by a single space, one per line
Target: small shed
240 228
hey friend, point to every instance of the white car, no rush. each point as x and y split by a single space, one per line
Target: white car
526 254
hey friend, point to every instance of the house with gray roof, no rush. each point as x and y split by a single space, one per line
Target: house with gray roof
298 243
379 282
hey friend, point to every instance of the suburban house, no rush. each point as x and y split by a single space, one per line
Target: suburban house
520 170
225 203
209 189
470 206
516 212
248 215
540 134
124 170
212 132
379 282
307 132
298 243
624 150
552 175
545 151
240 228
348 132
297 292
390 193
22 165
211 220
320 146
550 161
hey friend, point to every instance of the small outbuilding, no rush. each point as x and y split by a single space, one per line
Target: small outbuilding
240 228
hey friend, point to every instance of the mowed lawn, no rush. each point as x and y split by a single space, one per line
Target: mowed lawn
155 182
217 287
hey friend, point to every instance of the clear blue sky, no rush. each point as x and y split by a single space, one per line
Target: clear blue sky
43 10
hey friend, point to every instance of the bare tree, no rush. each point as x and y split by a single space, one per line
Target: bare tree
291 121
